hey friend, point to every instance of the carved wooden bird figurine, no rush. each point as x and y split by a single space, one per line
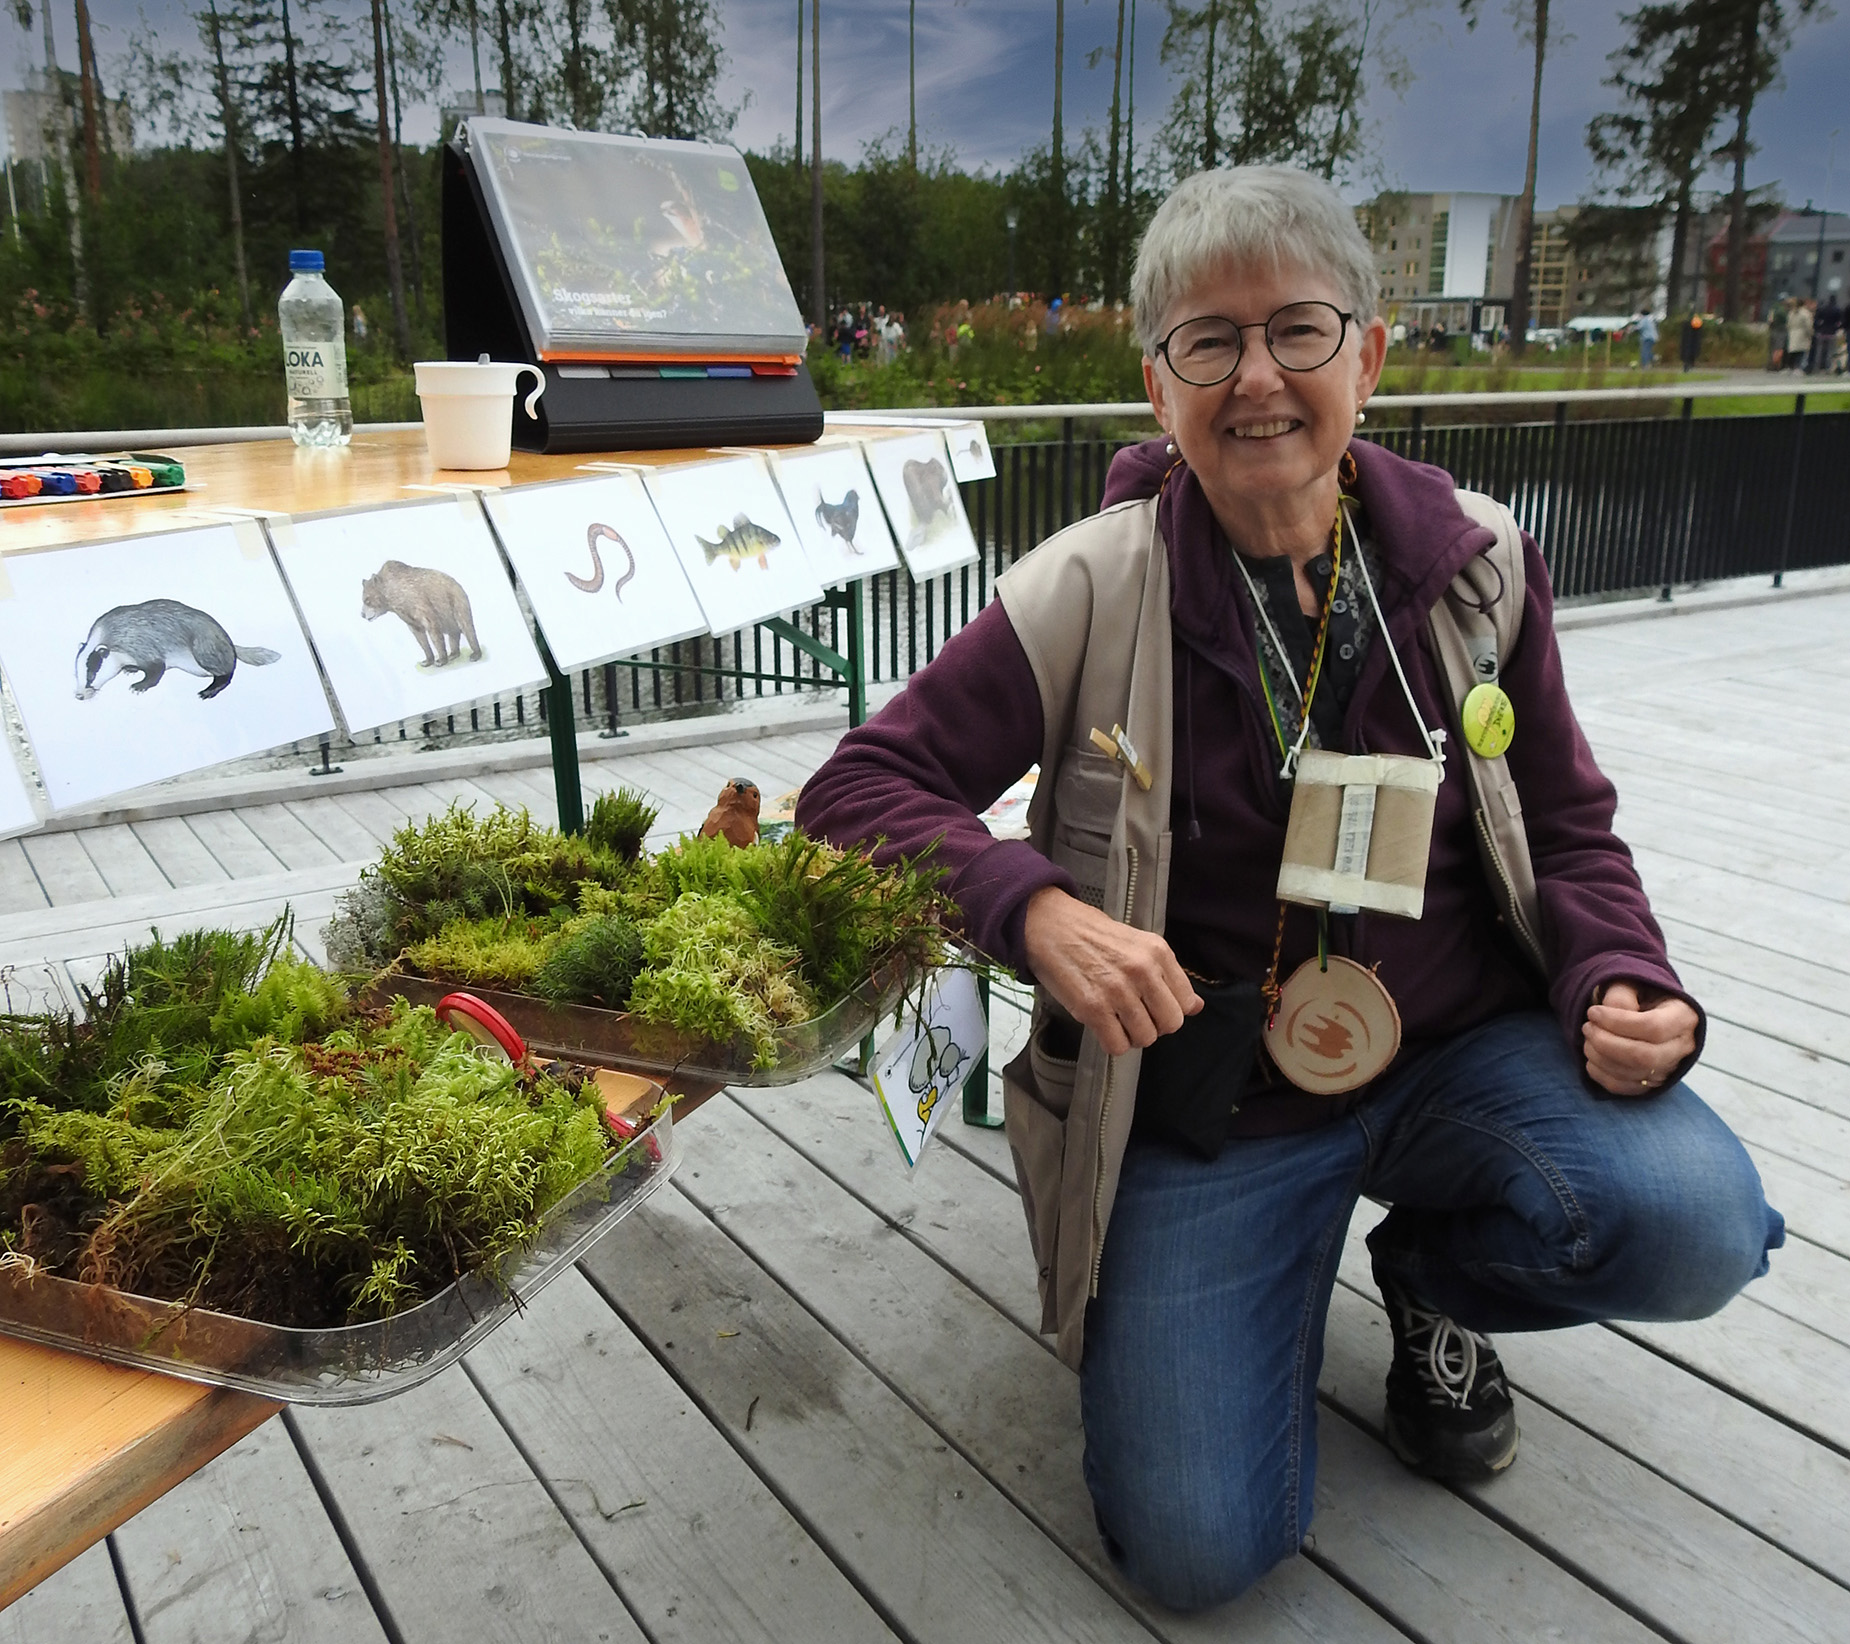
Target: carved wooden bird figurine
735 817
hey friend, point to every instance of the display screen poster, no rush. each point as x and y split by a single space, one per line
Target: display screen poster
633 245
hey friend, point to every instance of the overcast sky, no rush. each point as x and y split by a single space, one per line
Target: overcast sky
985 85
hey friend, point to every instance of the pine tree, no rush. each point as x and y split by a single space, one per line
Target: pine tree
670 49
1750 37
1657 148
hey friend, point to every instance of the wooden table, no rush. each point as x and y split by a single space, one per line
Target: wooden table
86 1445
276 476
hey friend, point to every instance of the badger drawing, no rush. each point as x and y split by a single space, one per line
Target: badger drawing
156 635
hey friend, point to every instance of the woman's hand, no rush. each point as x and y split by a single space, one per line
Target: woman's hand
1634 1044
1124 984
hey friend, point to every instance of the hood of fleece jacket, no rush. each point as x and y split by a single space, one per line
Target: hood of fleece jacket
1423 536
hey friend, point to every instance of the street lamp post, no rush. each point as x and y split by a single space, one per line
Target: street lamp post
1013 219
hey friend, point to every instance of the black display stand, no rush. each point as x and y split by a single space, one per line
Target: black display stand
481 315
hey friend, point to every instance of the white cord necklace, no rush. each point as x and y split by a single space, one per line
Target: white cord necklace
1434 741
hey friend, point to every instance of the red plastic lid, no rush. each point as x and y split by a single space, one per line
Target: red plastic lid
483 1023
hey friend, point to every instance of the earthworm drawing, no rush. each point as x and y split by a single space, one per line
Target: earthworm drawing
591 584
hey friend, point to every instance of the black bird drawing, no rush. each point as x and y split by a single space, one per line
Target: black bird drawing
841 517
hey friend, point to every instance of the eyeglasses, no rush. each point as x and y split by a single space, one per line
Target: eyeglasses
1300 336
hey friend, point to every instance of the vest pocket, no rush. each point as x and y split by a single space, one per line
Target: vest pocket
1037 1093
1087 794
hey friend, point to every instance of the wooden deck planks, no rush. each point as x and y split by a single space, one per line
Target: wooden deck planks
931 1543
696 1543
245 1537
123 860
80 1604
178 852
455 1534
987 1386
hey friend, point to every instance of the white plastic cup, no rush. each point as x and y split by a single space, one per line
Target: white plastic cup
469 409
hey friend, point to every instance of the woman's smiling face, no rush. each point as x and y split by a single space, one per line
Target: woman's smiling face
1266 440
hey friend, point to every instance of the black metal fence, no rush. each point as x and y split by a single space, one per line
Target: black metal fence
1617 505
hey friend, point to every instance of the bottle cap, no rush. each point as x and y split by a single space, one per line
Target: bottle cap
310 262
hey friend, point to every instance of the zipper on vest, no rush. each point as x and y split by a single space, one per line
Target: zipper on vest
1517 918
1104 1106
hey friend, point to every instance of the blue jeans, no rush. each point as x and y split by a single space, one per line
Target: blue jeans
1520 1202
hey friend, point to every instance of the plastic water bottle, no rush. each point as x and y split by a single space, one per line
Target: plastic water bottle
315 353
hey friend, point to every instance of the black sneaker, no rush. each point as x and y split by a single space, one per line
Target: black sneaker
1449 1410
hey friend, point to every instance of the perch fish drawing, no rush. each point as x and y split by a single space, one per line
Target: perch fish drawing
594 534
430 603
928 491
156 635
841 518
742 541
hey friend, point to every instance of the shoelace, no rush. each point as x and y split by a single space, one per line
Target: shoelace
1451 1353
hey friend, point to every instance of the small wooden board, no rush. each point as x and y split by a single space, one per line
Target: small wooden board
86 1445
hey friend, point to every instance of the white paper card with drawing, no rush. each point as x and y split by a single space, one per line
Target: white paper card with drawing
919 1072
913 473
728 524
833 505
597 567
146 658
410 607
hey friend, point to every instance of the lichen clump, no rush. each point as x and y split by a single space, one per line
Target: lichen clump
718 942
226 1129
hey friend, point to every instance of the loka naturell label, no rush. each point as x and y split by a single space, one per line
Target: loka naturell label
316 370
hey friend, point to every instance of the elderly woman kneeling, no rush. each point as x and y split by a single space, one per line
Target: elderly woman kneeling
1322 901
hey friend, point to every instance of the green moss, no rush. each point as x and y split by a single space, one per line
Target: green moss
711 972
594 963
491 953
326 1182
620 821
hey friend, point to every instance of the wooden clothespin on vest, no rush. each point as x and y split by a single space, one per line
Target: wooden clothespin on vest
1118 746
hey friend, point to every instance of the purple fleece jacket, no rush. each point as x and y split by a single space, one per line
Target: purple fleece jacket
969 726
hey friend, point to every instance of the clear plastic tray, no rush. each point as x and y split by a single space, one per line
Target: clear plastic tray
614 1038
349 1364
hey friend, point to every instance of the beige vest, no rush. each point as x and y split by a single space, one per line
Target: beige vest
1090 608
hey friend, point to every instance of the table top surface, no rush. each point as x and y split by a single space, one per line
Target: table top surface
276 476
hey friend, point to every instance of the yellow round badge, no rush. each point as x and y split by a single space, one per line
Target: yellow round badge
1490 720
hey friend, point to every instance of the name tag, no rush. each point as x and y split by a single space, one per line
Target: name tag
1360 833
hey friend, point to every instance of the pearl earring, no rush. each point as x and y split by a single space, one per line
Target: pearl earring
1360 418
1170 448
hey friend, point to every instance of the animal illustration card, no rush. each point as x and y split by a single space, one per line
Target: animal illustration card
729 526
597 566
971 458
833 506
919 1072
410 607
146 658
913 474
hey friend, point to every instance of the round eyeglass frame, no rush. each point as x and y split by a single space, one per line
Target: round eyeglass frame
1265 328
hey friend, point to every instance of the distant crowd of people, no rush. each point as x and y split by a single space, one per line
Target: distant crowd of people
1806 335
861 333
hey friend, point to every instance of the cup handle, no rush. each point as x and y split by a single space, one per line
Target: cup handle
533 399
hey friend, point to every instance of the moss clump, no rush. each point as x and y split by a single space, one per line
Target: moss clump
711 972
230 1160
593 963
490 953
620 821
500 902
183 1003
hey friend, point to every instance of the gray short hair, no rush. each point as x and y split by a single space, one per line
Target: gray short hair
1239 214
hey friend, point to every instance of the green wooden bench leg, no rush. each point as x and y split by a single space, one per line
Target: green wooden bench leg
976 1087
